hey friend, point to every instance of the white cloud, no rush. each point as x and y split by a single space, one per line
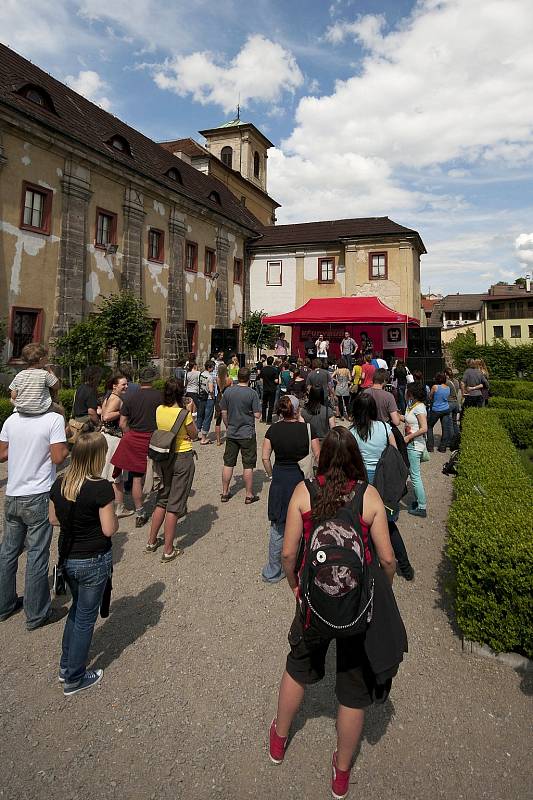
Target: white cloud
524 248
261 71
366 29
89 84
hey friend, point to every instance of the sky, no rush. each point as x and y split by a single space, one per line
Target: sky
419 111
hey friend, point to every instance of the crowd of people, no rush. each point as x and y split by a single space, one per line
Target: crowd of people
137 440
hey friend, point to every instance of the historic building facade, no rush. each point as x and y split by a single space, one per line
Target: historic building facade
373 256
89 206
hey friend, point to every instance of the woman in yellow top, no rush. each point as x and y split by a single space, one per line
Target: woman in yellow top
178 473
357 375
233 369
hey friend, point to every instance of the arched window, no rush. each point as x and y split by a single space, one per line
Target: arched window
257 164
215 197
120 143
37 95
174 175
226 156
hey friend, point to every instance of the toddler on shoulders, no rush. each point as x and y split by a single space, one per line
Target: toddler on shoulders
34 388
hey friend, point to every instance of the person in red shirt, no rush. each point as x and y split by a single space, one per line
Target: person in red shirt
367 372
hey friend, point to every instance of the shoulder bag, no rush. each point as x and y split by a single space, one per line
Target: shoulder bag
161 447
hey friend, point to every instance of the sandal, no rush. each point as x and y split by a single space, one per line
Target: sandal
224 498
207 441
249 500
151 548
174 554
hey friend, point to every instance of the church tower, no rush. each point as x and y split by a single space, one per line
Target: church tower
242 147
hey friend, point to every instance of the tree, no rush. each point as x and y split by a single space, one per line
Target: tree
83 345
256 334
520 282
127 328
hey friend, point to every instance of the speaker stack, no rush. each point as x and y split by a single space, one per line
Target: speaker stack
224 340
424 348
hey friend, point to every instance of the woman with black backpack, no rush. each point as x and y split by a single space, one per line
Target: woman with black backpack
340 487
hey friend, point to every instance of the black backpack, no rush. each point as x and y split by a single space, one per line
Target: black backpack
203 384
390 477
335 587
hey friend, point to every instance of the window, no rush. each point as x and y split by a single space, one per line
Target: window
174 175
214 197
326 270
530 330
516 331
377 266
237 271
243 200
121 144
36 208
210 261
274 273
156 337
192 329
25 327
156 241
226 156
106 228
498 331
191 256
38 96
257 164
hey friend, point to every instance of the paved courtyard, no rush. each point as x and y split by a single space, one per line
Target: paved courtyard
193 652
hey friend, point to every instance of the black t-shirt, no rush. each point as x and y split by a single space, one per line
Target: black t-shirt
319 422
86 398
81 534
400 373
289 441
140 409
269 376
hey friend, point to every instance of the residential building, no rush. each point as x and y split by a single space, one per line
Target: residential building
457 313
90 206
508 313
372 256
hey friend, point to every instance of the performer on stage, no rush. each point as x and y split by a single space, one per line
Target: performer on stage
348 348
367 344
281 348
322 350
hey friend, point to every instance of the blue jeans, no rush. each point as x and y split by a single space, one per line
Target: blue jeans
205 415
26 525
454 414
401 398
446 424
273 571
416 477
86 578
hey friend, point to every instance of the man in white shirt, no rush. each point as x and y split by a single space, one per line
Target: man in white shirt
32 446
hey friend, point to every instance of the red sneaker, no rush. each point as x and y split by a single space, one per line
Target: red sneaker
277 745
340 780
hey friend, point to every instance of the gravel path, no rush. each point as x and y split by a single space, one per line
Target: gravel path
193 652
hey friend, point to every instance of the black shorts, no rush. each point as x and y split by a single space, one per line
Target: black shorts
247 448
354 685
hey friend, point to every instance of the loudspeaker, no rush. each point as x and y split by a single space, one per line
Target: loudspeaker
242 359
427 366
424 342
224 340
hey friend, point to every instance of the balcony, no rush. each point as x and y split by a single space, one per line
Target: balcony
507 313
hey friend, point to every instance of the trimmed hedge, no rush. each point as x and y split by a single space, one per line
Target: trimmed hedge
510 403
519 426
5 409
490 537
520 390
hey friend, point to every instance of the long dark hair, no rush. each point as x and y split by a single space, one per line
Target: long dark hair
364 413
173 392
314 400
340 462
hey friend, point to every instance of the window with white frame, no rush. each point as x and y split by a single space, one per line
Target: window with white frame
274 273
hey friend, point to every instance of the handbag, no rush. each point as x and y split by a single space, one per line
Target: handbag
425 455
410 377
307 463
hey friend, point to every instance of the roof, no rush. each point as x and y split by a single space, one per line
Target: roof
461 302
188 146
516 294
237 124
333 231
427 303
89 125
333 310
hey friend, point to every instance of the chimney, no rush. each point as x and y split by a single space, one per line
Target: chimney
528 283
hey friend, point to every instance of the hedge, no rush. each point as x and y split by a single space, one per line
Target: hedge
490 537
502 359
5 409
510 403
520 390
519 426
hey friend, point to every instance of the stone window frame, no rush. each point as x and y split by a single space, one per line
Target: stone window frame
160 258
156 336
226 156
321 261
257 165
188 244
378 254
516 332
46 219
238 271
37 334
210 255
113 233
268 264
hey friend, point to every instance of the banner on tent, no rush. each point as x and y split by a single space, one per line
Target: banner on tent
394 336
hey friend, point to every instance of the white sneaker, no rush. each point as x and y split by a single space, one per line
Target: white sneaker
122 511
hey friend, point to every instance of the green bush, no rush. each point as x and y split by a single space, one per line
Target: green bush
519 426
520 390
510 403
5 410
490 537
66 398
502 359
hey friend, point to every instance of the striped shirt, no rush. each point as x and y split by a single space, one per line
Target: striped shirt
33 390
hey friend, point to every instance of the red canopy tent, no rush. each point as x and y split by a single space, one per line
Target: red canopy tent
332 316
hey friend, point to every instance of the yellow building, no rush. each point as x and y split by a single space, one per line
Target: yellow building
90 206
508 314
